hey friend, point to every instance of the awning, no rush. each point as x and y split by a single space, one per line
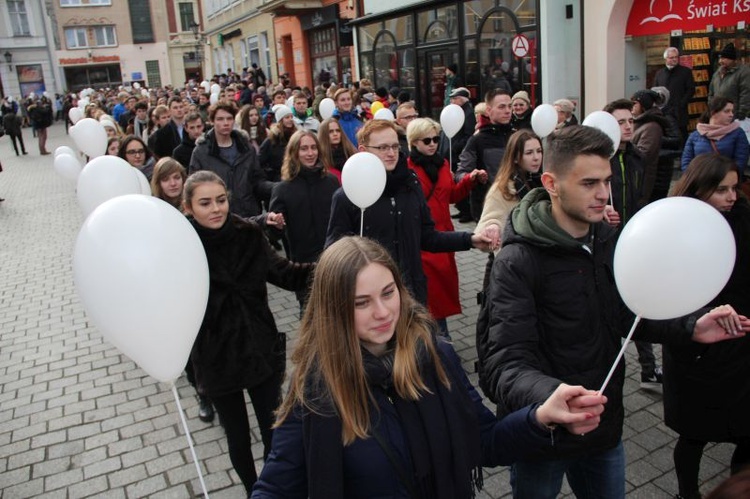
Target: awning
656 17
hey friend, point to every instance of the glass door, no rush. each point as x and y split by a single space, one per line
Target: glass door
433 81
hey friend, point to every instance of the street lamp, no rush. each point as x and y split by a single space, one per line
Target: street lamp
8 58
199 39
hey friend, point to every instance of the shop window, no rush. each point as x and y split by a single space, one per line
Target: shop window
140 21
76 38
366 36
104 36
436 25
407 71
19 18
386 61
253 50
186 15
475 10
323 55
152 74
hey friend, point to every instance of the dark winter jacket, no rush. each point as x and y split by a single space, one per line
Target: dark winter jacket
555 316
305 202
166 139
483 151
367 471
627 181
184 151
733 145
679 81
650 128
522 121
271 156
706 394
238 345
40 114
245 180
402 223
11 123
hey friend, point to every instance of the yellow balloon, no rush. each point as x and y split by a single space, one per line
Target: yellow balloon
376 106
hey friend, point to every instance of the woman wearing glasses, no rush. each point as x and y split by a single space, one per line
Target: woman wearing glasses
134 151
440 191
400 219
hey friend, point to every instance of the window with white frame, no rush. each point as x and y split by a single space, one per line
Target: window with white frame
266 51
186 15
243 51
253 51
76 38
83 3
105 36
230 57
19 18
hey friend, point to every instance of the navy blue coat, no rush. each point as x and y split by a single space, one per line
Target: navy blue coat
367 471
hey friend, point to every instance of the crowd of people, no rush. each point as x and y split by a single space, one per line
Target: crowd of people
379 405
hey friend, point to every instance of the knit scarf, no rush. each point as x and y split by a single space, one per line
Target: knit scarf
430 164
441 430
717 132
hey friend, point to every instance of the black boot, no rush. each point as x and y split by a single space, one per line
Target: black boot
206 409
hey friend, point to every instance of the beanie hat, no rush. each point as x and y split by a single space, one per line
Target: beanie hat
645 98
565 105
280 111
394 91
523 95
729 52
453 68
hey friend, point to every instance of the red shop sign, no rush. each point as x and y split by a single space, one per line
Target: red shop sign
655 17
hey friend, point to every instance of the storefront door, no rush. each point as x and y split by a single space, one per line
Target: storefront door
432 80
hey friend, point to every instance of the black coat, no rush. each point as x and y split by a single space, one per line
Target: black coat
238 345
402 223
555 315
271 157
627 181
305 202
184 151
245 180
706 388
679 81
166 139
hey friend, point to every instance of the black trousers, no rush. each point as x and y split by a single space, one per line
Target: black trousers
20 140
232 410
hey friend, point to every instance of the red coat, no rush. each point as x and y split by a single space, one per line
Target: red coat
440 268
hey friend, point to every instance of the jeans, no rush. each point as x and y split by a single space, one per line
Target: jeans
601 476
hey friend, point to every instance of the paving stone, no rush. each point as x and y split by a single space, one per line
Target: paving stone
88 487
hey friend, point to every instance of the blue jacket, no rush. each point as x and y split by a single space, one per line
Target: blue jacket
733 145
367 471
349 123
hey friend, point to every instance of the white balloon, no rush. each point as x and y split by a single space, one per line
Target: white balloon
65 150
90 137
206 85
384 114
104 178
607 124
67 166
144 92
136 85
673 257
126 270
363 179
544 119
326 108
143 182
215 88
213 99
452 119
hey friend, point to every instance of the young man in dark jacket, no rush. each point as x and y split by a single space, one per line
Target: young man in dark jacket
194 129
555 316
229 154
484 150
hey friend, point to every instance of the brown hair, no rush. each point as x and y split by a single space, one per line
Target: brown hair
291 166
163 169
223 105
511 162
196 179
703 175
565 145
328 354
373 126
325 150
714 106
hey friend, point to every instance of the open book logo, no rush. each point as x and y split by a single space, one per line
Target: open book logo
654 19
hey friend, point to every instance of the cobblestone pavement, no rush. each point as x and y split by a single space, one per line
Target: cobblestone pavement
77 419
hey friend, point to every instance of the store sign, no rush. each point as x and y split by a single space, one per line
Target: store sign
655 17
68 61
322 17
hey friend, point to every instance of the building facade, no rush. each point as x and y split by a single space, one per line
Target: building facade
238 34
186 42
107 43
26 49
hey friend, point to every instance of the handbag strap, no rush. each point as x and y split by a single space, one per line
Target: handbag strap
713 146
398 467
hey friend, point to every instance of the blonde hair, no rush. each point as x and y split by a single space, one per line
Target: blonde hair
328 356
163 169
419 127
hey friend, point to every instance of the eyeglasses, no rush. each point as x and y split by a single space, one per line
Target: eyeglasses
429 140
135 152
386 148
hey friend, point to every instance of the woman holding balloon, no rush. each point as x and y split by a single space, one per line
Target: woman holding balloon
238 347
440 190
706 393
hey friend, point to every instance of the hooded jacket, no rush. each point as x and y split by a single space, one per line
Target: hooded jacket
627 181
555 316
650 129
245 180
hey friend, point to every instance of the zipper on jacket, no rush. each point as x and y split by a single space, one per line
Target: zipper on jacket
395 220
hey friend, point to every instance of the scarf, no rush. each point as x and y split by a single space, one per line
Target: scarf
430 164
338 156
396 179
717 132
441 430
525 182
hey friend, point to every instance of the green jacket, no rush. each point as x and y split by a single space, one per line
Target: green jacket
734 85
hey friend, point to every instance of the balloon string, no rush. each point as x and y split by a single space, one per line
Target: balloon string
619 355
450 152
362 223
190 440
